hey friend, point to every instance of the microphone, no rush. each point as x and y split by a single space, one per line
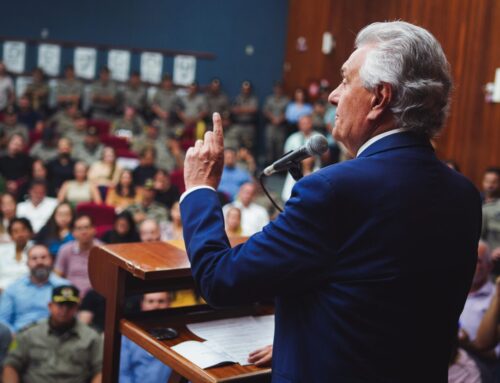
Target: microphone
316 145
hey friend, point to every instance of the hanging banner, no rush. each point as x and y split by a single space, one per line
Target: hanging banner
184 70
119 64
14 56
151 67
85 62
49 58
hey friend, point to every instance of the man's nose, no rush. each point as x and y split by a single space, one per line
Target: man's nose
333 98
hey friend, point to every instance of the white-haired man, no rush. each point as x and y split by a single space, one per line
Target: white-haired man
359 261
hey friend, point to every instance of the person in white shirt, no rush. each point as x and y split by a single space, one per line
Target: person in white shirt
253 217
38 208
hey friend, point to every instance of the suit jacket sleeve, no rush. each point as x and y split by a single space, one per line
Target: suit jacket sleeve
289 254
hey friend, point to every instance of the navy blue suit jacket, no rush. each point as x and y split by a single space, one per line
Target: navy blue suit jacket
370 265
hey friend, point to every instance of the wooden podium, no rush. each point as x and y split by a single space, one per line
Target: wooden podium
118 271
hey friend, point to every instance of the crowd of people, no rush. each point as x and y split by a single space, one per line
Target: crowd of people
121 150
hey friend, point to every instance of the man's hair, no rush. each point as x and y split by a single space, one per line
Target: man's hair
79 216
493 169
412 61
38 182
23 221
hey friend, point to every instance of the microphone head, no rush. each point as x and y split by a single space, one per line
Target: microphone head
316 145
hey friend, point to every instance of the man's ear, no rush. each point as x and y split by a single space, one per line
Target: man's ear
381 98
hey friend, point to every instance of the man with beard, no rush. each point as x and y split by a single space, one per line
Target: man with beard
24 302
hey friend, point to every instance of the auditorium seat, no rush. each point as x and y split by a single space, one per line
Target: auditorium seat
177 179
103 127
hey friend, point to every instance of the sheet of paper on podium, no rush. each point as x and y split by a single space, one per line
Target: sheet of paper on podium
228 340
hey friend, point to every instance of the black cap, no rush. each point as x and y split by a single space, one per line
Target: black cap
66 294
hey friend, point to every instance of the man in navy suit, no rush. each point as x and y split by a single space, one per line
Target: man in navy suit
372 259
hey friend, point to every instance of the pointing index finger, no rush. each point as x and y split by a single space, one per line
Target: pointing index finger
218 133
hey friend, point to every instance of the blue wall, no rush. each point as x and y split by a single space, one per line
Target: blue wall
222 27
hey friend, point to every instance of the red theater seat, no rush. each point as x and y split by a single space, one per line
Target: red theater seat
102 215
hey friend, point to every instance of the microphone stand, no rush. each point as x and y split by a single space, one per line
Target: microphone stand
295 171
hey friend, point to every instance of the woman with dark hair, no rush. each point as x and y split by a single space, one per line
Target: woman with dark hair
124 193
124 230
57 230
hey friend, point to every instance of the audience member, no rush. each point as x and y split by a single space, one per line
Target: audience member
15 165
91 149
166 104
24 302
232 219
69 90
8 208
124 193
490 231
318 116
253 217
170 155
123 231
26 115
46 148
166 193
298 107
476 305
217 100
38 208
193 111
148 207
491 185
13 255
73 257
38 91
293 142
66 122
135 94
173 230
146 169
246 160
106 171
11 125
38 172
103 96
149 231
136 364
232 176
129 125
7 94
62 167
58 229
275 130
57 349
244 114
80 189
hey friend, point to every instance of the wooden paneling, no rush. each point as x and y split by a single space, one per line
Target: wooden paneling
469 36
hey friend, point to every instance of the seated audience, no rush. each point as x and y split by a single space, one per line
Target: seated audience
38 172
62 167
124 193
173 229
148 207
7 94
166 104
46 148
146 169
192 111
135 94
8 208
166 193
491 185
136 364
123 231
38 91
106 171
232 175
298 107
129 125
80 189
232 218
13 255
69 90
58 349
15 165
38 208
91 149
73 257
275 130
253 217
11 125
217 100
58 230
104 96
149 231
